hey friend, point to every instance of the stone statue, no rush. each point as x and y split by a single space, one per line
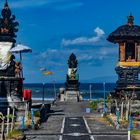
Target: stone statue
18 69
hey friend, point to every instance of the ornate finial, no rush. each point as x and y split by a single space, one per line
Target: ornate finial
7 24
6 5
6 12
72 62
6 1
72 56
130 20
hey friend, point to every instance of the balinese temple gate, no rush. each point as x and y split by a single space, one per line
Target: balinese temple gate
128 67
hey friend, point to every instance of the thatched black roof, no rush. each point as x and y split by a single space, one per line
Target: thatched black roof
125 32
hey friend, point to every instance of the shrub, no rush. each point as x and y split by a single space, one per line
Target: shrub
93 104
37 114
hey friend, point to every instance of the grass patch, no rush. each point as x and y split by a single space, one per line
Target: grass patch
14 134
135 132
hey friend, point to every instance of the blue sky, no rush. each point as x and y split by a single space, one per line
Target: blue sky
56 28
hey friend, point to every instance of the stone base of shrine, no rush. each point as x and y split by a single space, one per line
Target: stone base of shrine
20 108
72 96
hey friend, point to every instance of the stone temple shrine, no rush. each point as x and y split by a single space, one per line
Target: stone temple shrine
72 79
11 85
128 68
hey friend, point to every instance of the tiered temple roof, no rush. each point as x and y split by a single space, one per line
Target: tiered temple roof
126 32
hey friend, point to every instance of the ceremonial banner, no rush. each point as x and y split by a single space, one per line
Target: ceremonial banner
47 73
5 54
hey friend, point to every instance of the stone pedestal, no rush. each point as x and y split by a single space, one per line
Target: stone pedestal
72 84
20 109
11 95
128 80
72 96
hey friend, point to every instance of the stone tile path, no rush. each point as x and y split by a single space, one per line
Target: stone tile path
69 121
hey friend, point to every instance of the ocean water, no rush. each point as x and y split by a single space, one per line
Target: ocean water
87 90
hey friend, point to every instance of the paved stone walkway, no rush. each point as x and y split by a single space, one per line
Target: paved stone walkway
69 121
75 128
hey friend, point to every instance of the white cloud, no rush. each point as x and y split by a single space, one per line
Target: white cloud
55 4
106 51
85 40
57 58
27 3
99 31
85 57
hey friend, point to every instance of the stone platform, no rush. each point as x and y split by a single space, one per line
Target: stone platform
72 96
